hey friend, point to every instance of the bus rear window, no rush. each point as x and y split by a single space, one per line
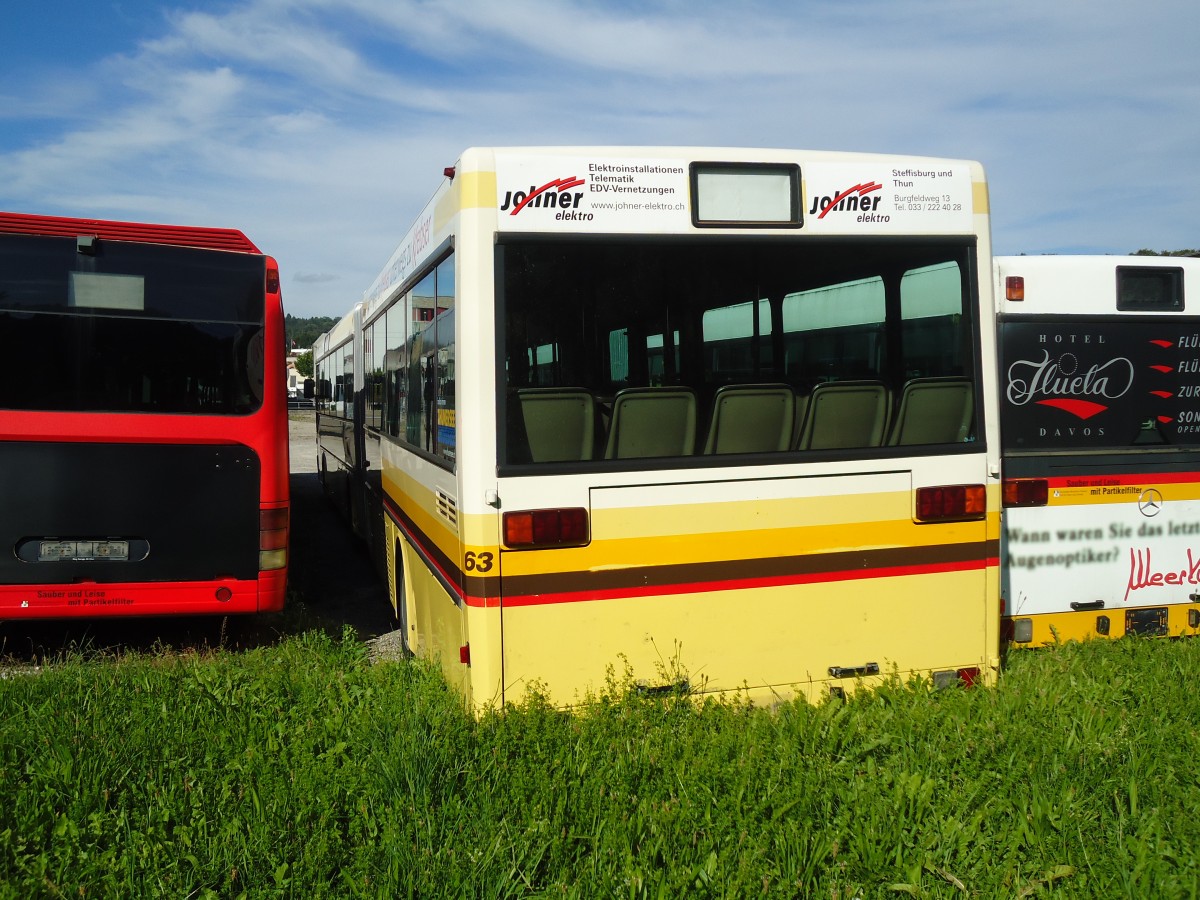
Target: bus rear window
130 327
1149 289
726 347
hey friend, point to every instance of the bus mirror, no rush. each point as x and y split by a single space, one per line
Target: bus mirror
310 388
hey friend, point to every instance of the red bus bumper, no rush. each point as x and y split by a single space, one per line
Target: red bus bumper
192 598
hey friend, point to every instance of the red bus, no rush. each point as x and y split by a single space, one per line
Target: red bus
143 421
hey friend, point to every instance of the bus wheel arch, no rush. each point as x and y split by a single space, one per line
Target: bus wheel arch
398 590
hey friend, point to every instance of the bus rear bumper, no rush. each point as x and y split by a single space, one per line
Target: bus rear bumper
1044 629
192 598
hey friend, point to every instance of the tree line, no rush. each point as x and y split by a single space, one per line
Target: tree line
303 333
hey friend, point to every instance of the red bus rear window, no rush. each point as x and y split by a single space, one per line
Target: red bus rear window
127 327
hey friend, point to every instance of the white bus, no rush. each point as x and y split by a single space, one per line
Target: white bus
707 415
1100 420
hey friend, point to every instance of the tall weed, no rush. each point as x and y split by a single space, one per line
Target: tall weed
304 770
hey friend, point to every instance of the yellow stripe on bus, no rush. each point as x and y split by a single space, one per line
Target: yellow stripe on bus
979 198
470 190
679 549
657 536
1094 497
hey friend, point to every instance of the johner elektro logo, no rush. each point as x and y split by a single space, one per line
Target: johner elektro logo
851 199
554 194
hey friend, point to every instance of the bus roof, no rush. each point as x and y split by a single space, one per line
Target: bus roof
1090 285
180 235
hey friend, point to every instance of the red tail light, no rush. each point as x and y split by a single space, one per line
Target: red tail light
546 528
948 678
1025 492
955 502
272 538
272 277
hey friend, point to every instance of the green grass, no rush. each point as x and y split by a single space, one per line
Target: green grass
304 770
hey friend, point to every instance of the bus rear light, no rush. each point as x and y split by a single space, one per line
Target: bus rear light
272 538
956 502
272 277
1014 287
546 528
965 677
269 560
1018 492
224 595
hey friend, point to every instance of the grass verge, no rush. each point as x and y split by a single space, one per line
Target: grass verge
303 770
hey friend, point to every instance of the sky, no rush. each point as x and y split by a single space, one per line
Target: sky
321 127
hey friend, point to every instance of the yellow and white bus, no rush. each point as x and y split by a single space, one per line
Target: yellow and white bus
1100 421
715 415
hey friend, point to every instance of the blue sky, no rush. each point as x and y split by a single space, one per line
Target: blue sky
320 127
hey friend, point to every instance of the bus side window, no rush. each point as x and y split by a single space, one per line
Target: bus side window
835 331
931 306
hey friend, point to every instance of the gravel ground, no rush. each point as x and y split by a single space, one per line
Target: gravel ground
331 571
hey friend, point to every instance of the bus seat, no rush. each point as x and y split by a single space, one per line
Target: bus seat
934 411
801 411
844 414
751 418
652 421
560 423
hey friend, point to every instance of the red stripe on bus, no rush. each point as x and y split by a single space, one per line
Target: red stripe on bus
739 584
448 574
1116 479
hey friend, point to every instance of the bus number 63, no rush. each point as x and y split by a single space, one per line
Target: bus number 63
477 562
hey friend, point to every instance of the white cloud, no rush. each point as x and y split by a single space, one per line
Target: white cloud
320 127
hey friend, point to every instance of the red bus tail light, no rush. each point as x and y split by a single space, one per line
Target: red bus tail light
272 284
955 502
546 528
1019 492
272 538
965 677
